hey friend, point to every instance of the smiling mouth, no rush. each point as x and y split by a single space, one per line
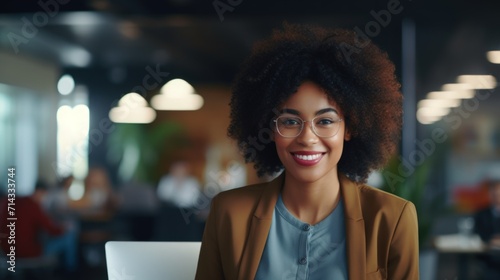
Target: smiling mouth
311 157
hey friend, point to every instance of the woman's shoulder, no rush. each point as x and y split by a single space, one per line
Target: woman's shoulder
385 210
372 197
242 197
244 191
376 193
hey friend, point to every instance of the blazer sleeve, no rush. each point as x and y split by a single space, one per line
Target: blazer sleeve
404 251
209 262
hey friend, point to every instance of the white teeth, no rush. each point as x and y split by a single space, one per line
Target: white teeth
307 157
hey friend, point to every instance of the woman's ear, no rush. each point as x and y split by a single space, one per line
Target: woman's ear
347 134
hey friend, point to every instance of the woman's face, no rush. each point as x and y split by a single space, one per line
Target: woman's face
308 157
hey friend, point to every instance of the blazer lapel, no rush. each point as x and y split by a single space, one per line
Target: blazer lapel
259 229
355 229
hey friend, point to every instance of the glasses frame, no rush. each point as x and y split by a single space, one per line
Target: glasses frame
313 127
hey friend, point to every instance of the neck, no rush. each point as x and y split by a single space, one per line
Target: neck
311 202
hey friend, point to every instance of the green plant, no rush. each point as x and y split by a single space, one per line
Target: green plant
137 149
412 183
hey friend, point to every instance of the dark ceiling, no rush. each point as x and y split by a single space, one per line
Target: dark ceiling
192 39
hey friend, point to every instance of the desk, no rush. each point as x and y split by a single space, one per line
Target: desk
458 243
465 247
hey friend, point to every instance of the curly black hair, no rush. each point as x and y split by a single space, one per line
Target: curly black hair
354 73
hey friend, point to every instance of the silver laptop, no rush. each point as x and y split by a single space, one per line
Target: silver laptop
134 260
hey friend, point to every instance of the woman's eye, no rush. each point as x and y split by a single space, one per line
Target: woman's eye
325 122
290 122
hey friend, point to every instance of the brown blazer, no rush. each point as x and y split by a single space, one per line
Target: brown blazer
381 232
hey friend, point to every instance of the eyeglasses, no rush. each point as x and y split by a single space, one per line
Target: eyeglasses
322 126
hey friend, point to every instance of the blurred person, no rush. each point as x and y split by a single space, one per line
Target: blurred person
99 198
30 226
138 206
487 226
58 206
61 194
179 188
178 192
324 109
96 212
57 201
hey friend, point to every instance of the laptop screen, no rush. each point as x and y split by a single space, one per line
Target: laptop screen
135 260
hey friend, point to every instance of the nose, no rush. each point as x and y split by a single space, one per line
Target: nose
307 135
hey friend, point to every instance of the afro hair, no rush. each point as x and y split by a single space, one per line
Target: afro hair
354 73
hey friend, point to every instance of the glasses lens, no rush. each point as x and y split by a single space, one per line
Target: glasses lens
289 126
326 126
323 126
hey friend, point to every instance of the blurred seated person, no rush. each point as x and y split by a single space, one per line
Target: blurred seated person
58 197
58 203
178 192
98 200
138 206
487 226
96 211
30 226
179 188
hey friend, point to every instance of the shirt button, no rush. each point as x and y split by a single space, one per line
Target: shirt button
303 260
306 227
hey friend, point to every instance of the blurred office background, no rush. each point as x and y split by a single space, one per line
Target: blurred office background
86 108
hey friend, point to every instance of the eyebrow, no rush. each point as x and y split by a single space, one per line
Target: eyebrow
295 112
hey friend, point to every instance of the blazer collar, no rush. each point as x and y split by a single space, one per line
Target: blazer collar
262 219
355 229
269 197
259 228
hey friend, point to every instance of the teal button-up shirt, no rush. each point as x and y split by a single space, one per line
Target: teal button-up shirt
297 250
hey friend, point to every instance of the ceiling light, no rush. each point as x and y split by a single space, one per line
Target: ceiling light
456 87
478 81
426 119
493 56
132 108
428 115
177 95
83 19
462 90
459 94
66 84
433 112
440 103
76 56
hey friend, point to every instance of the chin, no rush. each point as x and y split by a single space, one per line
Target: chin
307 176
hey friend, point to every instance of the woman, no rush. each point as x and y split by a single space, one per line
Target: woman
324 108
